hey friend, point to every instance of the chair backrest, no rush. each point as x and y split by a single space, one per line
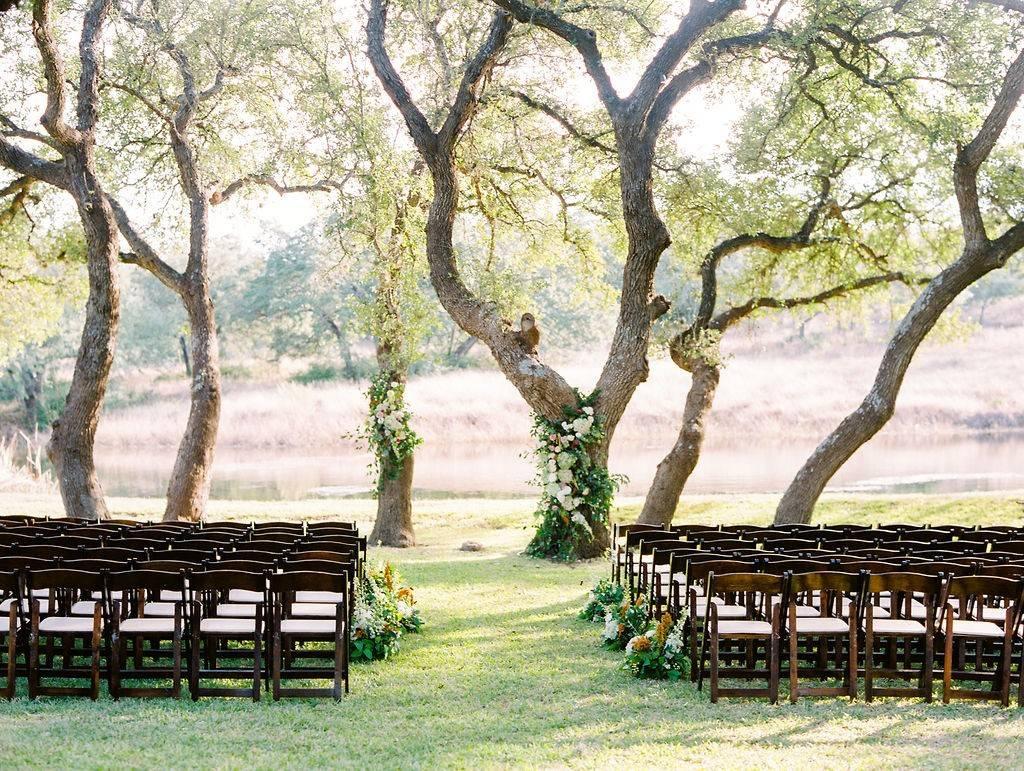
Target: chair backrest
756 583
825 581
790 545
1014 572
149 580
328 556
113 554
700 569
719 545
62 578
184 555
308 581
224 580
239 566
319 566
903 581
169 566
789 565
50 552
94 565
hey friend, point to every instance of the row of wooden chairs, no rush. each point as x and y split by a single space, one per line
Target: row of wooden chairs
158 593
106 617
823 620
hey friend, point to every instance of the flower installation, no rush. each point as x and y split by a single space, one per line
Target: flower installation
388 431
576 493
659 653
625 622
605 596
384 610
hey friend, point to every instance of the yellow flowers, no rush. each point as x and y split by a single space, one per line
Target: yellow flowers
662 630
641 644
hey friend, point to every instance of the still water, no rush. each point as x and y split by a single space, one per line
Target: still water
884 466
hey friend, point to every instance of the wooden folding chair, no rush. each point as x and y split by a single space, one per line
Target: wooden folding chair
67 588
10 626
286 589
761 626
827 624
139 590
977 597
208 630
903 590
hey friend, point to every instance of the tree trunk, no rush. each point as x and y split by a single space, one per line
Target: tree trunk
184 355
797 504
73 434
675 469
189 488
32 377
393 526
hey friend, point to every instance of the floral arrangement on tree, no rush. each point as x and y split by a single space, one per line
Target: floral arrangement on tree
624 622
388 431
660 652
603 598
384 609
576 494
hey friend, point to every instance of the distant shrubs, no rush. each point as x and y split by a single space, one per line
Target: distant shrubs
360 369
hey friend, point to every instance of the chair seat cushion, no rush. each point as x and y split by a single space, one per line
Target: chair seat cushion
84 608
319 596
167 595
236 610
897 626
315 609
724 611
5 624
67 624
760 628
240 626
307 626
963 628
160 609
995 615
821 625
137 625
244 595
44 605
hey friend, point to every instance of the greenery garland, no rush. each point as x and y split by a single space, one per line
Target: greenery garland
576 494
388 429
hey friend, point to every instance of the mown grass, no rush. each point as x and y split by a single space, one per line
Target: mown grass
505 675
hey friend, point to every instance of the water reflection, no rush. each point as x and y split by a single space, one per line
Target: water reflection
885 465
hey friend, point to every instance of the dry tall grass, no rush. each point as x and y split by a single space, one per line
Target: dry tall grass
775 390
21 466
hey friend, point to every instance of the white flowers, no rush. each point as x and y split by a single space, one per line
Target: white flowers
611 627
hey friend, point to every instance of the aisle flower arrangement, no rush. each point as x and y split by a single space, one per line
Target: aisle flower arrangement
384 610
387 432
623 623
576 493
660 652
604 597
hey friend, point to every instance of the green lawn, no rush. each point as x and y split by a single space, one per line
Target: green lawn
504 674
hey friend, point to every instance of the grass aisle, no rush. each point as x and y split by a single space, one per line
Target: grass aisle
503 675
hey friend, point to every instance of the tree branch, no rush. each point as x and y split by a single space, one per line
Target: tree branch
143 254
323 186
54 72
971 156
730 316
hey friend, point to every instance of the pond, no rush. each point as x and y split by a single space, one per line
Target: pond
885 466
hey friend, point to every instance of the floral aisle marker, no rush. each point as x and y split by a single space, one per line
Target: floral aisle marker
388 432
603 598
384 610
625 622
575 492
660 652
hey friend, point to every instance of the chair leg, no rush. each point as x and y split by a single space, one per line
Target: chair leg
947 663
97 639
1006 662
193 680
794 685
115 666
12 651
176 675
714 666
869 661
275 665
929 664
257 666
853 660
33 665
773 669
339 665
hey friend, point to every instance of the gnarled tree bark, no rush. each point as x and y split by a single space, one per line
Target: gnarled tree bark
73 434
980 256
637 120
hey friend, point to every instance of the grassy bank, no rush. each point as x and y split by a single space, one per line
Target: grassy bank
504 675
